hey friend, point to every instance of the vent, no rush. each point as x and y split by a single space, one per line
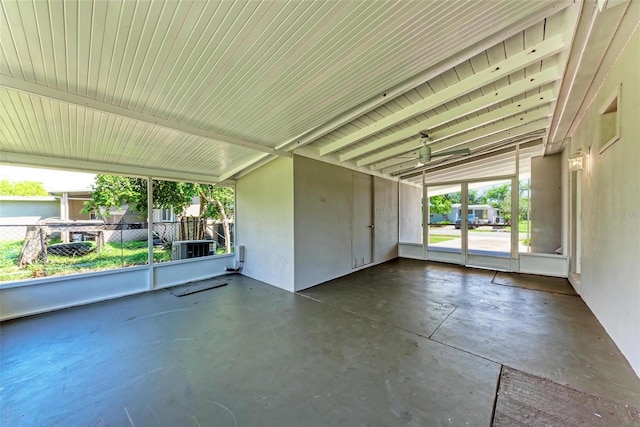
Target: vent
184 249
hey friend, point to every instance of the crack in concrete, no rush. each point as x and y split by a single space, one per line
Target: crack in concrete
466 351
495 399
443 320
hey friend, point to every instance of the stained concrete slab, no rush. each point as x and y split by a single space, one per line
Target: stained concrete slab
349 352
549 335
527 400
243 355
530 281
399 293
552 336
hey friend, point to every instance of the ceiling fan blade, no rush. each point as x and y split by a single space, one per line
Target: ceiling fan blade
461 151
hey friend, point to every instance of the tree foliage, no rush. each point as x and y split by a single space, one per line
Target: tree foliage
442 204
216 202
116 191
476 198
22 188
498 197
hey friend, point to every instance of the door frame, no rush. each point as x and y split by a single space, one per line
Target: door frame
370 180
464 258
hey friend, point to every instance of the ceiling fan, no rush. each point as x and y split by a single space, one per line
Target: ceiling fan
425 155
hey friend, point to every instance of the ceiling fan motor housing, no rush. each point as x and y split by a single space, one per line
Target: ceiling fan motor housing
424 154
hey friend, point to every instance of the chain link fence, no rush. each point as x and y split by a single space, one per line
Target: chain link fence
52 248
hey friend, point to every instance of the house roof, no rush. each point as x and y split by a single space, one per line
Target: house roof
28 198
208 91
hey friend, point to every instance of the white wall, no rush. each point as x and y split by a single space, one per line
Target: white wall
33 296
410 214
546 204
25 298
264 223
610 279
323 228
386 218
323 221
190 270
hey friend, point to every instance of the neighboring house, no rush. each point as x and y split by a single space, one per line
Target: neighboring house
18 212
25 210
486 214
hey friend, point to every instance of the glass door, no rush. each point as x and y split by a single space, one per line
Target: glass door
444 231
490 223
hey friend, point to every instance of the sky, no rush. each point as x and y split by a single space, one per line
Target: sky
53 180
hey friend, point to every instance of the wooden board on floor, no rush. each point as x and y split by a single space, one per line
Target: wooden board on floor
528 400
194 287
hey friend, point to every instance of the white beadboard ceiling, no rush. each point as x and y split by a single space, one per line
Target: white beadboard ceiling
210 90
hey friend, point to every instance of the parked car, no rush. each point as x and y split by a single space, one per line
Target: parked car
471 219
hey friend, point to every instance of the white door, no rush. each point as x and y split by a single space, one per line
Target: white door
362 240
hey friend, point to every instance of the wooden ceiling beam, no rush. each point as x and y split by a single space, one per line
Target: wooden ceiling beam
488 140
494 97
446 140
523 59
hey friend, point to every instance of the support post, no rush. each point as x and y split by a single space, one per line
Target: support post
150 230
464 223
515 214
425 218
64 215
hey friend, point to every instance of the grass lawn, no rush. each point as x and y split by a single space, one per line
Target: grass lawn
110 257
437 238
9 252
523 226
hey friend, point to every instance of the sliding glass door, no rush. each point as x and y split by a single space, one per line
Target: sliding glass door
489 218
444 230
471 223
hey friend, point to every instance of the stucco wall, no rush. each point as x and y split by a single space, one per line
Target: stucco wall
27 211
75 210
546 204
610 279
15 215
264 212
410 214
386 218
323 221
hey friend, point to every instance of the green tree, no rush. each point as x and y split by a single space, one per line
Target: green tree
216 202
441 204
22 188
476 198
500 197
524 187
496 196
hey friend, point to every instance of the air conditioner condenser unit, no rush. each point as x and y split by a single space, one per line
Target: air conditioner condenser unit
183 249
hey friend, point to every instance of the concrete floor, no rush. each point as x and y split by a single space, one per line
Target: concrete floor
403 343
